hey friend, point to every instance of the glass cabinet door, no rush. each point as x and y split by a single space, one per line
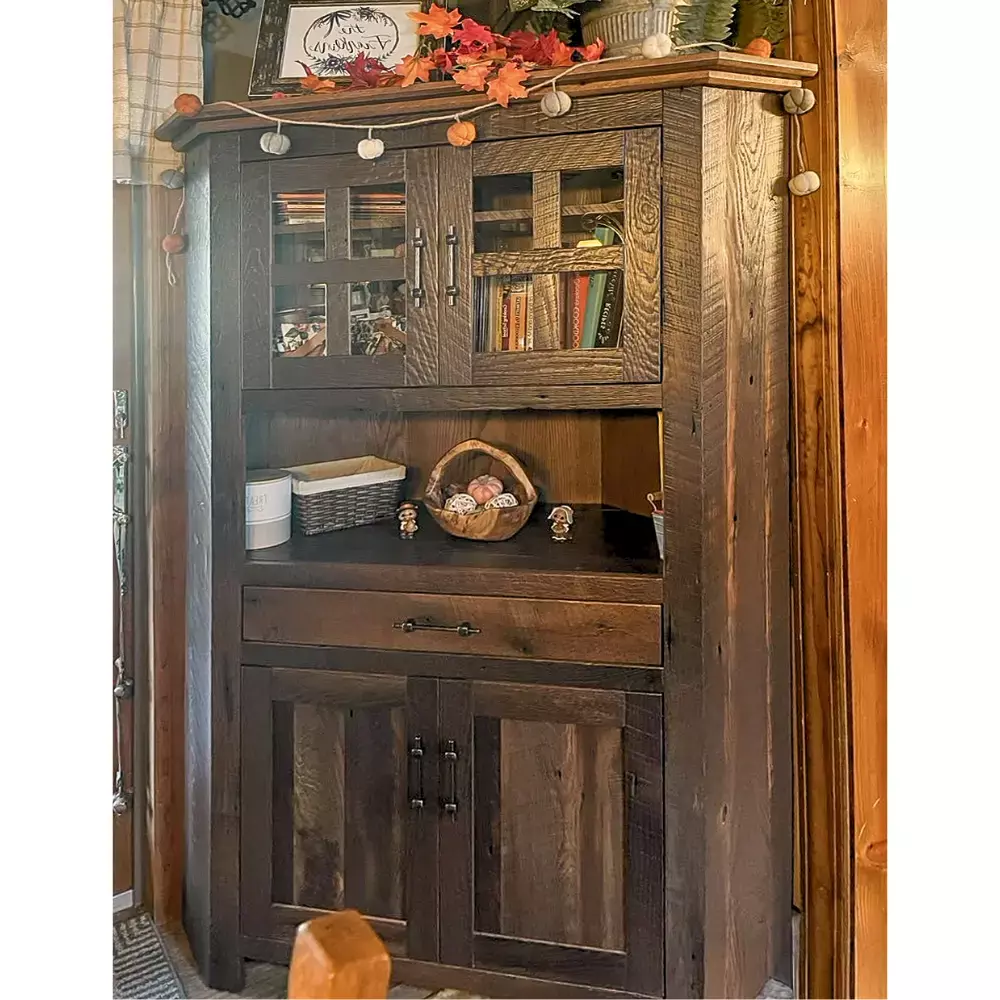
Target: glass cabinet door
339 279
560 277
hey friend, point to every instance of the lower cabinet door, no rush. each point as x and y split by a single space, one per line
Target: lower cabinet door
338 804
551 837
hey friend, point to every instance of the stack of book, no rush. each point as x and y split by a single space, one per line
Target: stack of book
378 209
504 307
592 307
299 208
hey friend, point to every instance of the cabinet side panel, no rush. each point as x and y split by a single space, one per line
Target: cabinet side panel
682 543
455 212
745 569
215 547
421 363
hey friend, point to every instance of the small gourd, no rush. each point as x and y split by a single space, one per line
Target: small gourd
371 149
172 179
502 500
484 488
656 46
461 133
173 243
805 183
798 101
461 503
758 47
187 104
276 143
555 103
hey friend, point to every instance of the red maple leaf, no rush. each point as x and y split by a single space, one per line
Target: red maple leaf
471 34
438 21
444 59
525 45
364 71
554 51
507 84
593 51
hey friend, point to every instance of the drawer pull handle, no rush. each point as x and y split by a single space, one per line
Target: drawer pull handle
450 801
415 778
417 291
452 288
462 628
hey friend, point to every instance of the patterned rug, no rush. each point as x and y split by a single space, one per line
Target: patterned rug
142 970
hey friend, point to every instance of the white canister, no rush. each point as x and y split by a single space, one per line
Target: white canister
269 508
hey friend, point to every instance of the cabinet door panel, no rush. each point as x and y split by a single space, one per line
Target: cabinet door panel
339 271
327 817
564 235
564 836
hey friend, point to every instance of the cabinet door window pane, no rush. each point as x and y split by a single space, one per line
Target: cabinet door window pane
502 213
299 227
378 317
592 206
531 312
300 327
378 221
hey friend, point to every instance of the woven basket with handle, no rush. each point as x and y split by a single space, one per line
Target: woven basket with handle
493 524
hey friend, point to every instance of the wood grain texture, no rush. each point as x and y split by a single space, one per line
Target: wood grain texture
725 440
527 702
530 261
338 372
569 152
339 271
861 106
345 171
215 474
455 317
421 358
257 818
524 368
547 230
331 401
592 967
255 271
825 834
561 630
641 308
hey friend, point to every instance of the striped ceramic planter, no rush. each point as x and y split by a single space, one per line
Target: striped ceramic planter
623 24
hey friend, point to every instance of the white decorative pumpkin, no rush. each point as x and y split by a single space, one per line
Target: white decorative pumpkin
798 101
656 46
371 149
172 179
555 103
805 183
276 143
502 500
461 503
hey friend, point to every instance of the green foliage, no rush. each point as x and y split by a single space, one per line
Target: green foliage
704 21
761 19
564 7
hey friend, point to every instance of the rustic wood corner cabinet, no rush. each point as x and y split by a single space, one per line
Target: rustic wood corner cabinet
589 791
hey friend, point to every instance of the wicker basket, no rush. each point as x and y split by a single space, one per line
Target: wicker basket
329 496
493 524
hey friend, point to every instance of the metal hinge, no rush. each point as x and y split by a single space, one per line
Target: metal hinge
121 411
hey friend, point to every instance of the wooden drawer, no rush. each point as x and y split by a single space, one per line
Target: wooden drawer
581 631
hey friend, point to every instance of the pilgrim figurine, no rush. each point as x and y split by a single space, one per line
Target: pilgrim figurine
407 514
561 518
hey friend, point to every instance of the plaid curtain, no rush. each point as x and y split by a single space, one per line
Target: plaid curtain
157 55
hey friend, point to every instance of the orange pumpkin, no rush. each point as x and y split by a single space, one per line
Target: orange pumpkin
173 243
758 47
461 133
187 104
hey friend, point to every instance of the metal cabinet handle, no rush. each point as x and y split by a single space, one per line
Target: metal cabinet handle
450 801
417 291
415 778
462 628
451 239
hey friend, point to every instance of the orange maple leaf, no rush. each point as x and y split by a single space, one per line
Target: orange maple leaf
593 51
507 84
472 77
313 83
438 21
414 68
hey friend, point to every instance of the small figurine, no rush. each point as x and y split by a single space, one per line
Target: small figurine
561 518
407 514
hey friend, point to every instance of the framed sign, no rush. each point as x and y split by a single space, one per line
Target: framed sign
325 37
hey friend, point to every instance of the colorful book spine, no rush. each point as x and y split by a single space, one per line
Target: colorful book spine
518 314
577 287
529 332
595 293
609 323
505 319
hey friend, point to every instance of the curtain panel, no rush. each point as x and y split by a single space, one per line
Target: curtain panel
157 55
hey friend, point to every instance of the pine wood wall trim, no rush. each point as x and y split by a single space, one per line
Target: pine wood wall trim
162 325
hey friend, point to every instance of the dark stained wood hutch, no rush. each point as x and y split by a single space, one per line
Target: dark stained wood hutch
592 795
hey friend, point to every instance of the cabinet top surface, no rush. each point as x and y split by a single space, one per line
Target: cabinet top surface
712 69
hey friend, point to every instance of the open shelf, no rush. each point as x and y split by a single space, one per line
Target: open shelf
612 556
